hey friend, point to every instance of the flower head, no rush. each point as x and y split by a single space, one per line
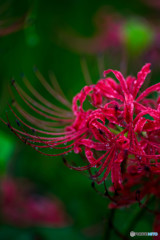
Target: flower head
111 122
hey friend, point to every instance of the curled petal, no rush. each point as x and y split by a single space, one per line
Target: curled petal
120 78
141 76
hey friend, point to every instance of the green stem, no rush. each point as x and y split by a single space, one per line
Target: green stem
134 221
108 225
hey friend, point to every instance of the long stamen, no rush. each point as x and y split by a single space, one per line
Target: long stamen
39 112
43 108
42 99
86 72
56 84
38 122
51 90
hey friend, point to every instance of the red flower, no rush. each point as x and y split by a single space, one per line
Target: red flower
138 182
108 121
21 207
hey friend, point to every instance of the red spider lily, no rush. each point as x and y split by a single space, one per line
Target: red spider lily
107 121
140 185
21 207
138 182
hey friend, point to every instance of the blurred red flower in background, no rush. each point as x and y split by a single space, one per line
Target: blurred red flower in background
108 34
115 33
21 206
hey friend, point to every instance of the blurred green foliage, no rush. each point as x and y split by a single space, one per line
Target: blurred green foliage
7 147
138 37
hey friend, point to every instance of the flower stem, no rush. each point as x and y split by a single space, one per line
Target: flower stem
110 226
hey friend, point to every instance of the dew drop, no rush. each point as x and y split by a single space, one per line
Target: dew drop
18 123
